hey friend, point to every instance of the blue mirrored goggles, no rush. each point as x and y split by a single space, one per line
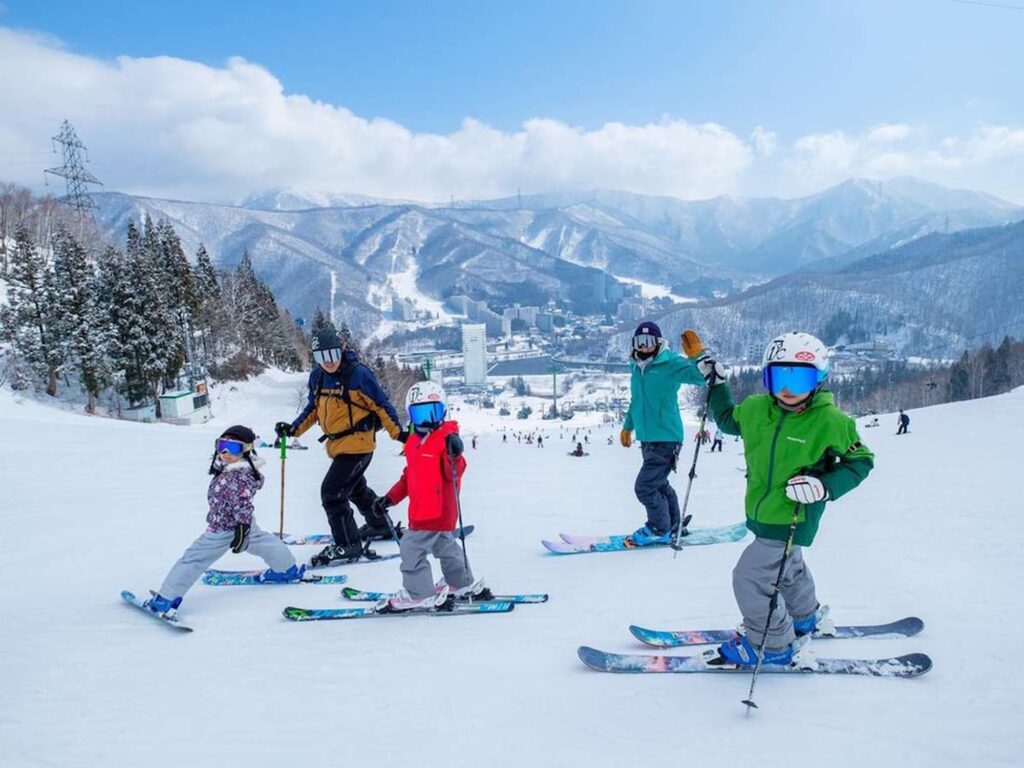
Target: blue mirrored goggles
325 356
426 413
793 379
234 447
645 340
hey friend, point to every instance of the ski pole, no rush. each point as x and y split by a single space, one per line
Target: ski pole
683 519
694 348
772 604
458 506
284 455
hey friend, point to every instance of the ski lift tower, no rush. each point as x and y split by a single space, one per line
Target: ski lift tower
73 171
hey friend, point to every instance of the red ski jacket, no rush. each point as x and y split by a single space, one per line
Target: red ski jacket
427 481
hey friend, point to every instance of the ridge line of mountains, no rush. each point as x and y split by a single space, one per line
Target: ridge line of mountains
918 264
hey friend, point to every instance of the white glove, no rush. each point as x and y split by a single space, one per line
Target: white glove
711 370
806 489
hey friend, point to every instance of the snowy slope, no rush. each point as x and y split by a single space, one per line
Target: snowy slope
92 506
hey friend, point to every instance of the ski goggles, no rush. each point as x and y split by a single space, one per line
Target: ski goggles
327 356
645 340
426 413
794 379
234 447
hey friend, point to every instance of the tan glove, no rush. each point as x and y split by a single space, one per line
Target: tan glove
626 438
692 346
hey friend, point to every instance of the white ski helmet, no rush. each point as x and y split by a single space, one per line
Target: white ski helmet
425 403
795 349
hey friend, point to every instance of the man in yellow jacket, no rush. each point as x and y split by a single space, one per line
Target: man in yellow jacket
350 406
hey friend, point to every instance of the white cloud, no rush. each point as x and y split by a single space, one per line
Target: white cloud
172 127
764 141
890 132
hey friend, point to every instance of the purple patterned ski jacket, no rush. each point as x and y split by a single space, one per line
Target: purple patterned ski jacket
230 496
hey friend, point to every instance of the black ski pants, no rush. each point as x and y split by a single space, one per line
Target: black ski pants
345 482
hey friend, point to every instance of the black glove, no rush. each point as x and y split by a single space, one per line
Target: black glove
454 444
283 429
240 541
402 436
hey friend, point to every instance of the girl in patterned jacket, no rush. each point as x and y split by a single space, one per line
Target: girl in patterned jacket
236 479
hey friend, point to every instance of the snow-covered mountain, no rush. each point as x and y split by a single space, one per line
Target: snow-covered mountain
936 295
548 244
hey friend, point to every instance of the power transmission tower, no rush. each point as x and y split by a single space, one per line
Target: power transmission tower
73 171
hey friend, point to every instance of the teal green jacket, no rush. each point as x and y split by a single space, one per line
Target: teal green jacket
654 396
779 444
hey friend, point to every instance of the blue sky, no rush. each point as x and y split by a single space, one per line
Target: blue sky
796 69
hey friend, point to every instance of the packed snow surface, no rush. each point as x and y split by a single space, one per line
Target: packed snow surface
93 506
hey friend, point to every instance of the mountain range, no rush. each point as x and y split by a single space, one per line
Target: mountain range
532 247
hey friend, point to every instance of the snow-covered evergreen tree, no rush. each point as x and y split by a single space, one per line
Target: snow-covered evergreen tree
31 318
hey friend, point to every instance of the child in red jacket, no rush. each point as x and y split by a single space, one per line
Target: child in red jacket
431 479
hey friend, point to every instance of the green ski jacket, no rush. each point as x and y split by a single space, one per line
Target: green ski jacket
821 441
654 396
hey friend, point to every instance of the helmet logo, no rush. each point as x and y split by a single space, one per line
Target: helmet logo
805 356
433 396
775 351
315 344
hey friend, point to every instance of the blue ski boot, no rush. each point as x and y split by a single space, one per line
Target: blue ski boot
740 653
162 605
646 536
818 623
293 574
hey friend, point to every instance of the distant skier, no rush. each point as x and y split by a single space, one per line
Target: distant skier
801 450
474 442
717 441
348 403
229 524
540 441
433 461
904 423
656 373
578 451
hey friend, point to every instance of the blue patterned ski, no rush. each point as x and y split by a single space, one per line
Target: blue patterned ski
575 545
910 665
334 614
350 593
216 578
131 599
907 627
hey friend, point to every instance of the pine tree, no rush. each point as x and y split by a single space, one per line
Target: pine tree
30 319
320 323
83 324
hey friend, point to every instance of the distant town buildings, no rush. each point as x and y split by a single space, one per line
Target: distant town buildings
474 354
631 310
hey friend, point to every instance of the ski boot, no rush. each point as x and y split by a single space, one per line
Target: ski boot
335 554
645 536
293 574
475 592
401 602
740 653
818 623
162 605
370 532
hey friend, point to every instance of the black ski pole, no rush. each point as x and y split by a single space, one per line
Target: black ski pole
772 604
683 519
458 506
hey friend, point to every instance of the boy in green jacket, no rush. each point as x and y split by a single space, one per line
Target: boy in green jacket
656 375
801 451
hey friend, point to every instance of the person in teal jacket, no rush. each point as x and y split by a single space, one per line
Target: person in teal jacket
801 451
656 375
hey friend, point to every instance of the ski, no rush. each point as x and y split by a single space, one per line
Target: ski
326 538
907 627
573 545
910 665
360 561
350 593
216 578
131 599
333 614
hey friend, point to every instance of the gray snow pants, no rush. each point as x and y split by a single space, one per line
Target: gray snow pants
208 548
753 580
653 489
417 577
